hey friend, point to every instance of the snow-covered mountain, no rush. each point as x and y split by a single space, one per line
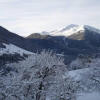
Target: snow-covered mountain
72 40
71 29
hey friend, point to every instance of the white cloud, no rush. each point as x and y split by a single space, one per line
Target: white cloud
28 16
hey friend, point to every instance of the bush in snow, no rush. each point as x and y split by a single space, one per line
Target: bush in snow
39 77
81 62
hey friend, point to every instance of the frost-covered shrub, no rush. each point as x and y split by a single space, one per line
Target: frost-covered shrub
81 62
38 77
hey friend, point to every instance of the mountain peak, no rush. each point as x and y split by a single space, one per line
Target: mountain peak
73 29
69 27
69 30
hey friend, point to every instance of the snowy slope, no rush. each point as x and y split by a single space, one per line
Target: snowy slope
12 49
84 66
67 31
76 74
74 29
85 75
89 96
71 29
93 95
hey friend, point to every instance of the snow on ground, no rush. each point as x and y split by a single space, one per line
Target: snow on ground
12 49
61 55
76 74
89 96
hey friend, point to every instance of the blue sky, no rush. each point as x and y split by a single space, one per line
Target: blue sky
28 16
